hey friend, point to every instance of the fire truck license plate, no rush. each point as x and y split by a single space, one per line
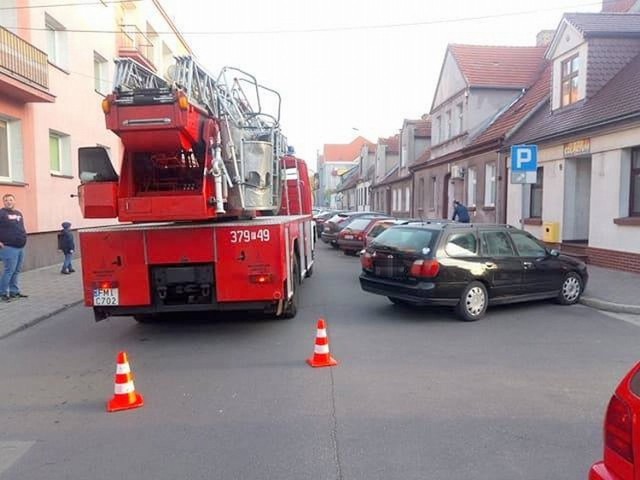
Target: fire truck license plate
106 296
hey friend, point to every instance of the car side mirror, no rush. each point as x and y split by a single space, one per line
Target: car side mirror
554 253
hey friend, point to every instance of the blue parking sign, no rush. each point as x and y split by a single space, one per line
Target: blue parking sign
524 158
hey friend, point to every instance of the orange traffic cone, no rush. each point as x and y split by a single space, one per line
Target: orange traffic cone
125 396
321 356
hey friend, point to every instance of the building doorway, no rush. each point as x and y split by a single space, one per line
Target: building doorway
577 199
446 193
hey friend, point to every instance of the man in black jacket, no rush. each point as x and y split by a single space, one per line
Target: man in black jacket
13 238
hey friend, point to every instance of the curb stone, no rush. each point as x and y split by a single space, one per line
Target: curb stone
36 320
610 306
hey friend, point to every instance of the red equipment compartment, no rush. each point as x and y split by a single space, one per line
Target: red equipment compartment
250 264
180 245
98 199
170 207
117 257
154 128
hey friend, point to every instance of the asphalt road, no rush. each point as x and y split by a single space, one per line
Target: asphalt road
417 395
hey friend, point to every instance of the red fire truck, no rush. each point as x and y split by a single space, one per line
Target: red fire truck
215 208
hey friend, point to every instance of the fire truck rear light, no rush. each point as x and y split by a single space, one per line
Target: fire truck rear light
106 106
106 285
261 278
183 102
617 429
366 260
424 268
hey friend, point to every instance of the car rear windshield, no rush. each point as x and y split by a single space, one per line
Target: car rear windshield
414 240
378 229
358 223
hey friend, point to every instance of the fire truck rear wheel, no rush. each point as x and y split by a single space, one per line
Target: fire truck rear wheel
291 309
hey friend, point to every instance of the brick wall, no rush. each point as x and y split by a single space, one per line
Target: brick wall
629 262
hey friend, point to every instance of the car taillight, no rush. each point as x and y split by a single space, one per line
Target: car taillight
358 237
424 268
366 260
617 429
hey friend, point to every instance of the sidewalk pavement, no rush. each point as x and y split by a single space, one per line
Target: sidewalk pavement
51 293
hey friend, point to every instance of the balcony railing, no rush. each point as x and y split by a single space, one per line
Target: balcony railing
132 40
22 60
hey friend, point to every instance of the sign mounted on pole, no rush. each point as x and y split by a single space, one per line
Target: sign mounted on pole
524 163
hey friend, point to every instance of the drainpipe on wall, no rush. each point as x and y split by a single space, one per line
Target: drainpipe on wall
501 208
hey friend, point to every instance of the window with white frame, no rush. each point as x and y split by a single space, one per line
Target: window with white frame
439 128
471 186
11 150
490 185
407 195
434 193
100 74
449 124
570 73
634 192
5 171
57 42
59 153
421 193
459 114
394 200
535 198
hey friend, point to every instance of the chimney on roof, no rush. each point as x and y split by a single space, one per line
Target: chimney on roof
619 6
544 37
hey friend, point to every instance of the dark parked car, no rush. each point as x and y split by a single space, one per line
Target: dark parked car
321 218
468 266
336 223
351 237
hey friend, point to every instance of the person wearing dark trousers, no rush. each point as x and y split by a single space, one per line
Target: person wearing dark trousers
67 245
460 212
13 238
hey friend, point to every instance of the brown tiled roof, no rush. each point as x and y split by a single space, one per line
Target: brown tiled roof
617 5
497 66
605 24
392 143
510 118
423 129
344 152
617 100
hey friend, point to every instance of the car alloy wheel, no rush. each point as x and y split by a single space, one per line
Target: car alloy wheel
571 289
473 302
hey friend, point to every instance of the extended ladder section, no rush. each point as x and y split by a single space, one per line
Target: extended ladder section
248 153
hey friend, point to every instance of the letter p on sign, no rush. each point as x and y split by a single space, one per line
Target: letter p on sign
524 158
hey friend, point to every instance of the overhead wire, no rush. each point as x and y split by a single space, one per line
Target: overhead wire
335 29
74 4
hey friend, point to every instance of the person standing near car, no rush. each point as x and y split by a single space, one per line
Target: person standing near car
13 238
461 212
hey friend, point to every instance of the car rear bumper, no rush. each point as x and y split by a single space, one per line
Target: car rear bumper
350 245
422 293
600 472
329 237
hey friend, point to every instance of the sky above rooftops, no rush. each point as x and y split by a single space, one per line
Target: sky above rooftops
352 67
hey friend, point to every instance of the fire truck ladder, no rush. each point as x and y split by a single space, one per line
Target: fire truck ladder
238 109
130 75
198 84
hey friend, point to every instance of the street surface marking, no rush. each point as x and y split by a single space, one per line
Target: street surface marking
10 452
625 317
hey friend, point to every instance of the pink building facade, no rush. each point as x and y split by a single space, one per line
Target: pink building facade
56 66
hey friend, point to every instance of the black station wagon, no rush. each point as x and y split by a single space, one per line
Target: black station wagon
467 266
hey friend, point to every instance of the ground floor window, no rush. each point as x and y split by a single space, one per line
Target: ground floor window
535 200
4 149
634 193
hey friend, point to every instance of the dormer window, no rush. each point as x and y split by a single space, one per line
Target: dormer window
570 79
